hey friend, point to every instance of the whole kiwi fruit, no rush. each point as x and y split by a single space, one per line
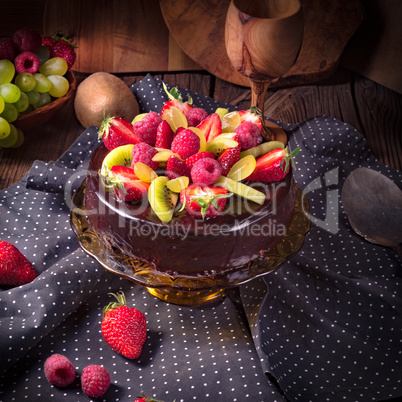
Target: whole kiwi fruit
102 94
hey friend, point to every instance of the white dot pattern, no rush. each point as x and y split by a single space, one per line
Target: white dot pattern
327 324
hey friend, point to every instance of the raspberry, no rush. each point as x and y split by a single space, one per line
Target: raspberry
175 167
95 380
206 171
144 153
164 135
195 116
186 143
27 62
147 128
7 50
196 157
248 135
59 370
27 39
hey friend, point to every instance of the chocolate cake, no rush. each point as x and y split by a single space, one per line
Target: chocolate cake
187 245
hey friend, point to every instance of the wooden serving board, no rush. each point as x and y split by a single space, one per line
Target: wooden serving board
117 36
199 29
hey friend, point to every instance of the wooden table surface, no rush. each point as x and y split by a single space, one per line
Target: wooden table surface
372 109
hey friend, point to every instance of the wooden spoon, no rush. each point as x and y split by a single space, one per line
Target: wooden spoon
373 204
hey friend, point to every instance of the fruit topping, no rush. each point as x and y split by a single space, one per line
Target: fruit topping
115 132
211 127
175 167
15 268
95 380
241 189
242 169
262 149
144 172
59 370
161 199
126 185
144 153
177 184
228 158
203 201
121 156
176 101
273 166
248 135
195 116
219 144
176 118
196 157
252 115
164 135
147 127
206 171
186 143
230 122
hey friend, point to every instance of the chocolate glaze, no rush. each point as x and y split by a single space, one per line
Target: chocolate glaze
242 232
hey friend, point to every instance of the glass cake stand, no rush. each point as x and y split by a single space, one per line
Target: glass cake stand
181 289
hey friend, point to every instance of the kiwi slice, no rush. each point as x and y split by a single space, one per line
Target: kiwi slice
121 156
241 189
242 168
161 199
219 144
262 149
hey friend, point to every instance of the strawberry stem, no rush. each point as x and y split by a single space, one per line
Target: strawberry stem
174 94
121 301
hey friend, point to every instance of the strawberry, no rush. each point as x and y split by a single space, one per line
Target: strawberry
253 115
196 157
15 269
273 166
126 185
60 46
175 99
164 135
228 158
144 398
95 380
115 131
203 201
175 167
124 328
211 126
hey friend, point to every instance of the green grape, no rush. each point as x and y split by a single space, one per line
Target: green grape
9 113
43 53
33 96
54 66
20 140
4 128
11 139
43 101
7 71
60 86
29 109
22 103
42 83
10 92
1 104
25 82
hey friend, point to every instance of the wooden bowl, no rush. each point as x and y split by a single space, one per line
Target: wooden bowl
45 113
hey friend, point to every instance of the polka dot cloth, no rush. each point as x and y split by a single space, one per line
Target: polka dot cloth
323 327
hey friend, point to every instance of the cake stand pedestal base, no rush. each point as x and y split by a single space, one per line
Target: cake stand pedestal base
187 297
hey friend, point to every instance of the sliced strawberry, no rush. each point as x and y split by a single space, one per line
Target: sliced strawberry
196 157
204 201
273 166
175 99
253 115
115 132
211 126
228 158
175 167
126 185
164 135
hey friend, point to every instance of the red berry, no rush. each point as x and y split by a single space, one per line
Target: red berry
175 167
147 127
66 51
95 380
164 135
59 371
228 158
186 143
27 39
195 116
126 185
49 42
7 50
27 62
206 171
144 153
248 135
196 157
